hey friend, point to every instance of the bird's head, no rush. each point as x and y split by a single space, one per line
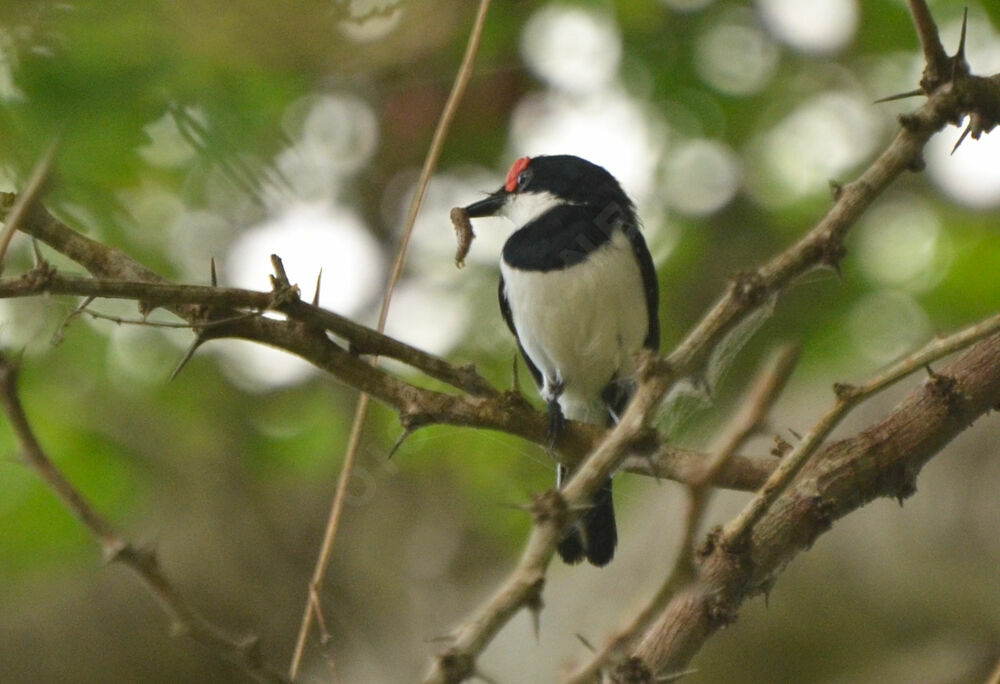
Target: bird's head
534 185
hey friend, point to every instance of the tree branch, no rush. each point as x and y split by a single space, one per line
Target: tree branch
822 245
848 397
245 653
881 461
216 312
159 292
759 399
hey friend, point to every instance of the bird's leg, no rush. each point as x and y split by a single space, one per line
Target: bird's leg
554 390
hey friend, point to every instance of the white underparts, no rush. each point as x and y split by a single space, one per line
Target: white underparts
581 325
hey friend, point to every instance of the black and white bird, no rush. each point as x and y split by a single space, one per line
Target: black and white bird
578 289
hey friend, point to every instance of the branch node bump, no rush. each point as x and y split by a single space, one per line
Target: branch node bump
721 612
283 292
907 488
836 189
113 551
748 288
708 545
820 512
939 385
844 391
899 481
632 670
910 122
39 277
412 418
832 252
917 164
549 506
945 387
649 364
455 665
781 446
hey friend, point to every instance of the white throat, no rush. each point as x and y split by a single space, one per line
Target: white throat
524 207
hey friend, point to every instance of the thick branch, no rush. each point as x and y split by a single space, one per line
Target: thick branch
848 396
881 461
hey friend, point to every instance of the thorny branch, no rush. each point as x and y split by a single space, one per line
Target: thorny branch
218 312
822 245
883 460
245 652
737 531
880 461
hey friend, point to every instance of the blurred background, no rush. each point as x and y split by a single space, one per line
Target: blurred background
231 130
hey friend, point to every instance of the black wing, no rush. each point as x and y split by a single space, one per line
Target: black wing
509 319
649 284
619 392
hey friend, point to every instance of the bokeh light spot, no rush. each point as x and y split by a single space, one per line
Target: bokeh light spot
824 138
371 20
820 26
571 48
901 244
168 147
702 176
736 58
886 325
335 136
972 174
427 316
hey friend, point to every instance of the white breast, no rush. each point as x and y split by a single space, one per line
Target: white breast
581 325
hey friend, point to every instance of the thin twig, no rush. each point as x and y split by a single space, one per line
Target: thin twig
754 408
195 325
738 530
26 199
243 652
326 548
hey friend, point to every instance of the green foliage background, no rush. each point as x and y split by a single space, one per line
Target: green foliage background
232 487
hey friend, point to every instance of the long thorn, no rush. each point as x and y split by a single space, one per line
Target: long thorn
900 96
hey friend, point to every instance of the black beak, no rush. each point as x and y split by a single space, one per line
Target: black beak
488 206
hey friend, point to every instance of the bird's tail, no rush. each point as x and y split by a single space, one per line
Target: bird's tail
595 536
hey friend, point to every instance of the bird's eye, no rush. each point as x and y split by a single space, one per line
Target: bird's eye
523 179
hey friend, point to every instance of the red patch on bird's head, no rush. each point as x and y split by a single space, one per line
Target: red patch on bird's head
515 171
